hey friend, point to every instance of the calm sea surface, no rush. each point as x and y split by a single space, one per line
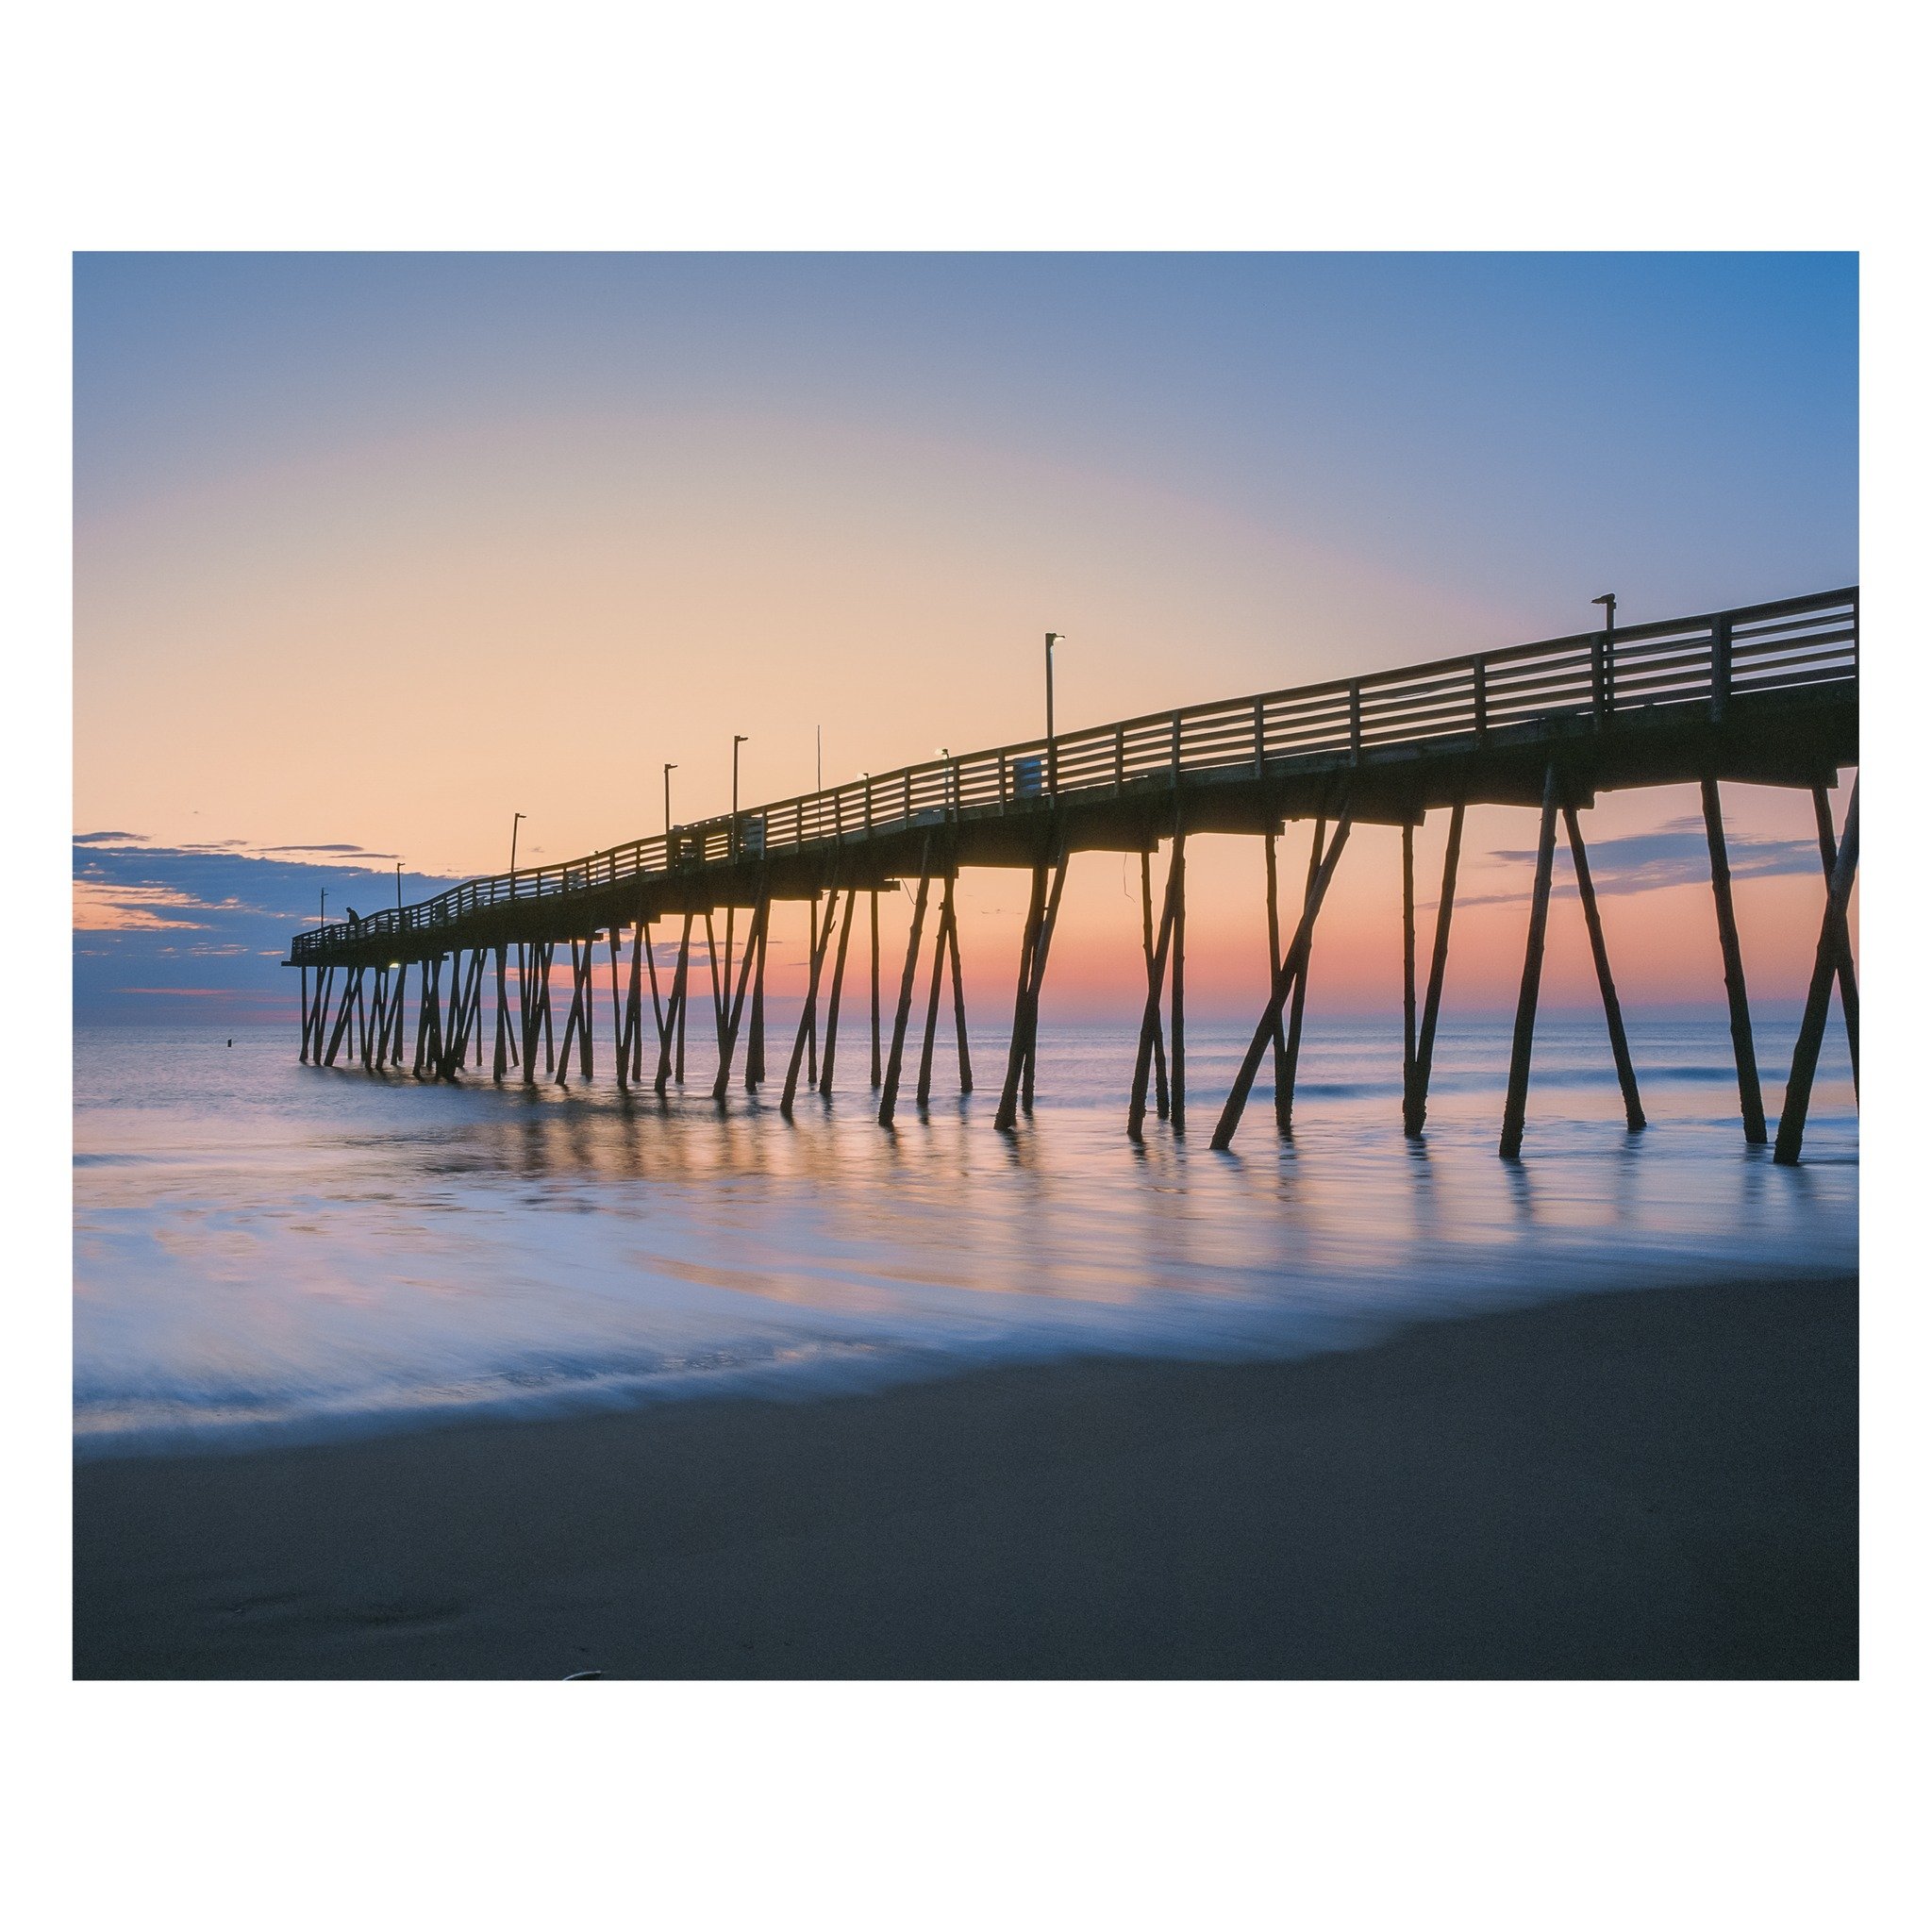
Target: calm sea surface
264 1250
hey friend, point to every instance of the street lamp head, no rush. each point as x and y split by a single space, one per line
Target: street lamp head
1608 597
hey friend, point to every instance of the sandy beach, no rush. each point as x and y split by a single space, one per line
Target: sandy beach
1661 1483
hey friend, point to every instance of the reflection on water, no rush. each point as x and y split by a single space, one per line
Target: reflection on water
264 1246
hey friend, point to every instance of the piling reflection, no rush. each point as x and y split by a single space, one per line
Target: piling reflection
260 1245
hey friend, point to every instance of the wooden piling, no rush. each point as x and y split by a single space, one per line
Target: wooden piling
718 992
1407 963
499 1064
1743 1049
727 1047
637 1068
620 1042
549 952
532 1017
671 1041
1847 968
875 991
1155 983
1176 996
345 1012
1516 1099
1016 1042
1288 976
1416 1100
681 997
932 1005
378 1016
959 995
811 1011
1292 1048
573 1018
422 1017
755 1047
587 1030
1831 933
1271 878
815 966
888 1097
1035 946
830 1053
1150 1013
1606 985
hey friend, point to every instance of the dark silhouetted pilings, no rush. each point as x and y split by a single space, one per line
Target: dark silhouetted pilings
1415 1109
1847 967
1149 1046
829 1059
1286 977
1408 965
1606 985
1743 1050
1705 672
1791 1126
888 1096
1289 1066
1517 1096
1764 695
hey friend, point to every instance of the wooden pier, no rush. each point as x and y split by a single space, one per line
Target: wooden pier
1766 694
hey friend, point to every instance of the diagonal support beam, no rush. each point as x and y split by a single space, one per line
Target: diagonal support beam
818 939
671 1041
889 1098
1150 1013
1516 1100
1791 1124
830 1055
1847 965
1599 952
1034 951
1743 1050
727 1047
1416 1099
1292 1047
1287 976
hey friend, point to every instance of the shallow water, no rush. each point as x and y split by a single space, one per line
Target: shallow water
267 1250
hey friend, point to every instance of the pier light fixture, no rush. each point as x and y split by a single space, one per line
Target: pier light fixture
1608 600
514 823
668 770
1052 638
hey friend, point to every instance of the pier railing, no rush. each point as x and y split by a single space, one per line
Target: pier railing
1693 661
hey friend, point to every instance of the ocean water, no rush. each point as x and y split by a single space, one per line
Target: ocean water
267 1251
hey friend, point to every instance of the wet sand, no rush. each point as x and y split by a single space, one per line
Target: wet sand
1655 1484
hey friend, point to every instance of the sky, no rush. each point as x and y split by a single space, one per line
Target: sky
374 551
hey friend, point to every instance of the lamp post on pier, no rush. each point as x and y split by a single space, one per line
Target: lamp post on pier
1053 637
1605 697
